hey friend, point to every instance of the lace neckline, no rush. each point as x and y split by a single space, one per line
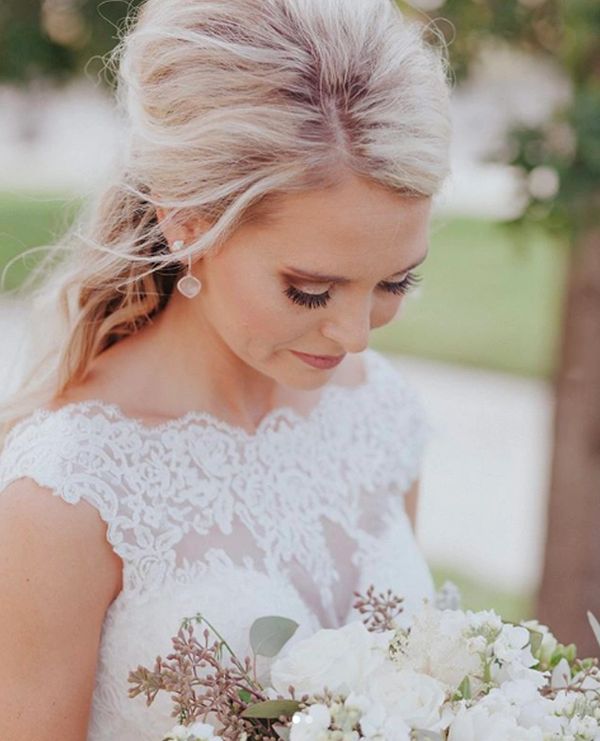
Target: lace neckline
271 420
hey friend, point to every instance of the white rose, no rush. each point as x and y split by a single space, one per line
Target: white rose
311 724
414 698
339 659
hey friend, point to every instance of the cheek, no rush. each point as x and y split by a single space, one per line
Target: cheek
259 313
385 311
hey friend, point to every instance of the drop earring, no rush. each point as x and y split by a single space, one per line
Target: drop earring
189 286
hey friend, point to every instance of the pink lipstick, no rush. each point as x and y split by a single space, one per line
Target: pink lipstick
320 361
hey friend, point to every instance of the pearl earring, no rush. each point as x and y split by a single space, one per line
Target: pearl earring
189 286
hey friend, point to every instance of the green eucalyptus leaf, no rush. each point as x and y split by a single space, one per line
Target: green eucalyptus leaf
269 634
271 709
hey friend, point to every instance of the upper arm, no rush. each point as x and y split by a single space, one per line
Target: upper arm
411 500
58 575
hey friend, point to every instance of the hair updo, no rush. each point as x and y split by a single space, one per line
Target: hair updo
227 105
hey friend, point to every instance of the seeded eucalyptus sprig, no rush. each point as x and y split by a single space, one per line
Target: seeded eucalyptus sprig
380 609
201 684
231 693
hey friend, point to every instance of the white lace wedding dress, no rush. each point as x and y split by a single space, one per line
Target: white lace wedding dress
208 518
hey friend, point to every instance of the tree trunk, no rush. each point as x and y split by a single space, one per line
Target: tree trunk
571 578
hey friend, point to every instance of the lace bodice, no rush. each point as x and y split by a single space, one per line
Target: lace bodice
207 517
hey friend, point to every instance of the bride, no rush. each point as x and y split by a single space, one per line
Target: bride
206 429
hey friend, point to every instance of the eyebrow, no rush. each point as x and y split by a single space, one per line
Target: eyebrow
339 279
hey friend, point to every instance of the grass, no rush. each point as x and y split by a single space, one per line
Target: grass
29 221
486 300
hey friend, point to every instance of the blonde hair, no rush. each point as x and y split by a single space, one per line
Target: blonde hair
229 104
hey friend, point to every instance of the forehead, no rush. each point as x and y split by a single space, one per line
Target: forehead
355 224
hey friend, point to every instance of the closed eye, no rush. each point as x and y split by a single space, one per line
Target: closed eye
318 300
403 286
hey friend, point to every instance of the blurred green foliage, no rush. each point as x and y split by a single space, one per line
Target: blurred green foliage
27 221
566 147
57 39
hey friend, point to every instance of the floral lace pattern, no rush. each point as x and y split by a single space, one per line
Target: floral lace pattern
291 518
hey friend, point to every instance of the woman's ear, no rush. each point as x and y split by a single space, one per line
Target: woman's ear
175 230
172 230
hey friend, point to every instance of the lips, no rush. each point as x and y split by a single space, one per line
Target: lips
320 361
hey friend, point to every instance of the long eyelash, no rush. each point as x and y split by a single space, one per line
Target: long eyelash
310 300
318 300
404 286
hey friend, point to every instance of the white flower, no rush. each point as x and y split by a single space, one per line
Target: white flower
519 699
311 724
479 722
487 621
339 659
561 675
436 645
512 646
196 732
548 644
375 725
408 696
583 728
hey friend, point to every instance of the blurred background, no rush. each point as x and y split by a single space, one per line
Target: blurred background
502 337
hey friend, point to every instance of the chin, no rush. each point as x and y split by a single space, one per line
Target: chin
310 381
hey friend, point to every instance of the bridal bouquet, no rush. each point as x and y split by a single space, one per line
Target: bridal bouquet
450 675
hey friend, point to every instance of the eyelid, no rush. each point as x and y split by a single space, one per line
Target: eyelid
319 300
301 285
401 278
323 287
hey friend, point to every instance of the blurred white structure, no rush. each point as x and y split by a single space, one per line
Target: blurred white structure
67 140
485 476
56 140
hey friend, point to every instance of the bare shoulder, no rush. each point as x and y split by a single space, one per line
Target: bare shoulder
32 518
57 580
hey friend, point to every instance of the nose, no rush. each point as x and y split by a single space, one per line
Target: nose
350 327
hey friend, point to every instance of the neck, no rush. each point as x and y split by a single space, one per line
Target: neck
181 365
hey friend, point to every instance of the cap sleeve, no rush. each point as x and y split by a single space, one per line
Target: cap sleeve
403 422
52 450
